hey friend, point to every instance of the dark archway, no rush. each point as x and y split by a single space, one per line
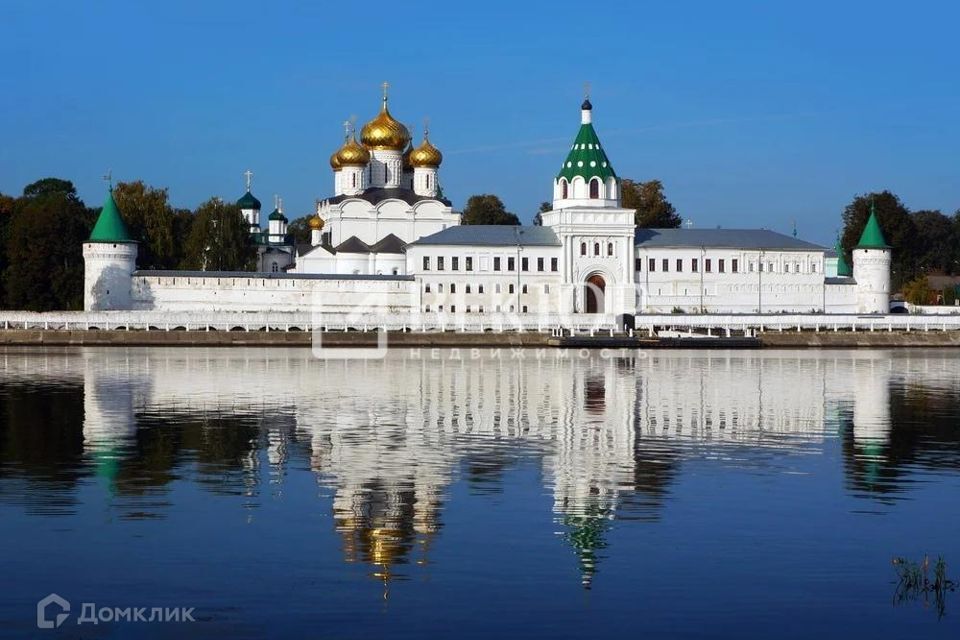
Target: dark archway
594 293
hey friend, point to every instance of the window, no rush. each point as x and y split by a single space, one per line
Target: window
609 248
353 177
665 265
583 248
440 263
563 188
479 288
525 264
439 287
274 267
734 266
426 287
455 263
468 308
453 308
546 288
594 189
695 265
539 264
426 308
786 268
707 265
480 309
638 262
721 267
496 264
426 263
770 267
813 267
523 289
469 263
453 287
468 289
511 264
496 287
761 267
524 308
596 248
510 289
651 265
554 264
679 265
751 267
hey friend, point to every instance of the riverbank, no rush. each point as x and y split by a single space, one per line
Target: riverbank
768 339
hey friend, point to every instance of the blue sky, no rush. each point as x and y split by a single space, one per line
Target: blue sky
752 114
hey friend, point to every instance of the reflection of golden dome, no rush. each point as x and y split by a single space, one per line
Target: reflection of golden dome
426 155
384 132
315 223
352 154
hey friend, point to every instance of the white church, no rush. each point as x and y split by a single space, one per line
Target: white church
387 243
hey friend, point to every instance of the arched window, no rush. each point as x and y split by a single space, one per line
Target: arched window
274 267
596 248
609 248
563 188
583 248
353 179
428 181
594 189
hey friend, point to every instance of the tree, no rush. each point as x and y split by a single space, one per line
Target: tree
544 207
44 247
149 218
219 239
898 229
653 210
917 291
934 241
300 229
6 214
487 209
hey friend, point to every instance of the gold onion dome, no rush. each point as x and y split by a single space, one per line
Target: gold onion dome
426 155
351 154
385 132
315 223
335 161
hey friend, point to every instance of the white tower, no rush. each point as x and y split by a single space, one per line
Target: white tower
597 234
426 160
250 206
277 224
109 260
871 268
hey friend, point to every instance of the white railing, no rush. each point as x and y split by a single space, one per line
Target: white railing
752 323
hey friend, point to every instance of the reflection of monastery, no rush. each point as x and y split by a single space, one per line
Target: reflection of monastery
387 242
610 433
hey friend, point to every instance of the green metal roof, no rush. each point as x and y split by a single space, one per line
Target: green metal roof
276 215
872 236
587 158
110 226
843 269
248 201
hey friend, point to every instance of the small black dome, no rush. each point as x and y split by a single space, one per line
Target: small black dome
586 105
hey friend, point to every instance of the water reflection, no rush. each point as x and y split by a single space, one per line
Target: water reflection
386 440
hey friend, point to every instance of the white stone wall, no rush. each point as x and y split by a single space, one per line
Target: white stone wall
107 269
371 223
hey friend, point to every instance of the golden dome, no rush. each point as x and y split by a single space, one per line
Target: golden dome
315 223
335 161
426 155
352 154
385 132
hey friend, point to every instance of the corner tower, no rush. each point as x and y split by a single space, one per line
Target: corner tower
109 260
871 268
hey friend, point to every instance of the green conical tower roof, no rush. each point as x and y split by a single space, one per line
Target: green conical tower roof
872 236
110 226
586 158
843 269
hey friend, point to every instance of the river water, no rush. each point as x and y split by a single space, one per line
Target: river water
688 494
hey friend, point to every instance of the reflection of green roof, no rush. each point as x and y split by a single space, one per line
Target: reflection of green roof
248 201
872 236
110 226
843 269
587 158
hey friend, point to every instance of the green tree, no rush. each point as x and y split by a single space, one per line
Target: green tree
653 210
219 239
487 209
44 247
150 219
935 242
544 207
898 229
917 291
6 214
300 229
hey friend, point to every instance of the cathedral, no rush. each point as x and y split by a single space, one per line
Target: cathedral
387 243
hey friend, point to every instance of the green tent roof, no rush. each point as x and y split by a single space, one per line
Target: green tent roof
248 201
587 158
110 226
872 236
843 269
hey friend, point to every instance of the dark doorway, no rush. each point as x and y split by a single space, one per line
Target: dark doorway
593 291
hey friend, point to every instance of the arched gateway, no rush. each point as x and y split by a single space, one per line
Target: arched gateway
593 293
